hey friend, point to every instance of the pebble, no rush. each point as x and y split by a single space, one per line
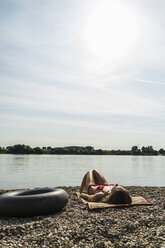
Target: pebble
76 226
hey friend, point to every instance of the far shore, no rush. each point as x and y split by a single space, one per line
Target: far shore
79 150
64 154
77 226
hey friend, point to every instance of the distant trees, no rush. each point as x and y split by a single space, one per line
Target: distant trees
24 149
161 151
38 150
79 150
73 150
135 150
19 149
148 150
2 150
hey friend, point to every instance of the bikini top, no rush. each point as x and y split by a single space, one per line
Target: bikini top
101 187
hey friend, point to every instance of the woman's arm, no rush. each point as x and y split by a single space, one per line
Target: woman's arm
93 198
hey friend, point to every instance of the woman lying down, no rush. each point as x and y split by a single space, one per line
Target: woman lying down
98 190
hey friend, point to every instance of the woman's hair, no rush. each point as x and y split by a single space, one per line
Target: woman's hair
119 196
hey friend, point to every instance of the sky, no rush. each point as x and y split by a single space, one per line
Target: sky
82 72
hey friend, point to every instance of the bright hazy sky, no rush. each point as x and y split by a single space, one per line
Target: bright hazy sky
82 72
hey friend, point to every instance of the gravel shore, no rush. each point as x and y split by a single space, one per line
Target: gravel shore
77 226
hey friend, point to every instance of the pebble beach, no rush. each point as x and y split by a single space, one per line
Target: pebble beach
78 226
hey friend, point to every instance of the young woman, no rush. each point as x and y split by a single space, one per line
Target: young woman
97 189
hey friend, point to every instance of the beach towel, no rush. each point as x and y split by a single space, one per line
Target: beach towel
136 200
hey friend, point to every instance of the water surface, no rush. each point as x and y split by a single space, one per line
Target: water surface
28 171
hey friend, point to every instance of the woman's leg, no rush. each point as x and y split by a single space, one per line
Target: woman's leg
88 179
83 184
99 178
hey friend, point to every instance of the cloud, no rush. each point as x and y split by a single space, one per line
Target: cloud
150 82
23 95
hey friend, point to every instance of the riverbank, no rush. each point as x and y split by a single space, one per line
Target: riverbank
77 226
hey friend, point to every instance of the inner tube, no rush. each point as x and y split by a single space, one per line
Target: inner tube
33 202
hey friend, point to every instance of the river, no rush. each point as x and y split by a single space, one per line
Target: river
29 171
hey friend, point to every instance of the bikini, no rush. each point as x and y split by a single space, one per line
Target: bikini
100 187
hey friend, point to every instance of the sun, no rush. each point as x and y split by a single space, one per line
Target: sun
111 30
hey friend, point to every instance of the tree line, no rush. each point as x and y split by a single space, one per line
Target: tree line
84 150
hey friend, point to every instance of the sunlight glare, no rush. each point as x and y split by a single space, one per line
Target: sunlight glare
111 30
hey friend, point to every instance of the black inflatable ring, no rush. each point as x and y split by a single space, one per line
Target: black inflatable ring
33 202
